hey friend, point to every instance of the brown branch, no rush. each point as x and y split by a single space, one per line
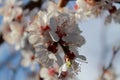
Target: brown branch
63 3
115 51
31 5
1 38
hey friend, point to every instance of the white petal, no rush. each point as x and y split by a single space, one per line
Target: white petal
54 36
25 62
44 72
33 39
64 67
53 24
56 66
17 46
18 11
74 39
52 56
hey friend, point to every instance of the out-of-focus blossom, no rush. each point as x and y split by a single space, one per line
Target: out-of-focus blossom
12 32
93 8
48 74
10 10
28 60
0 1
115 16
108 75
85 8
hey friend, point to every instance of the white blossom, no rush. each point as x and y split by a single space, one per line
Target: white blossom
28 60
12 32
10 10
49 32
91 8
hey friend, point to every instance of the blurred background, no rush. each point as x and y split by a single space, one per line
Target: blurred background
101 49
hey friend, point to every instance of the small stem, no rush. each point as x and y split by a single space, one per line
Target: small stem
1 38
63 3
31 5
63 47
115 51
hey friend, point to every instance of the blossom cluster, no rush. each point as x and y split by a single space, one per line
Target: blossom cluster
51 36
93 8
55 36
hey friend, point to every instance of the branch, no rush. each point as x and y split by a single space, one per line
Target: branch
63 3
31 5
115 51
1 38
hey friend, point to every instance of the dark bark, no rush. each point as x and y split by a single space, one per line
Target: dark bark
31 5
1 38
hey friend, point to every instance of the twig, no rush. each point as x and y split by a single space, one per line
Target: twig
115 51
62 3
1 38
31 5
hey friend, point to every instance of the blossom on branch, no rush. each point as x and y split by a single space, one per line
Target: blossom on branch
52 31
11 10
93 8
